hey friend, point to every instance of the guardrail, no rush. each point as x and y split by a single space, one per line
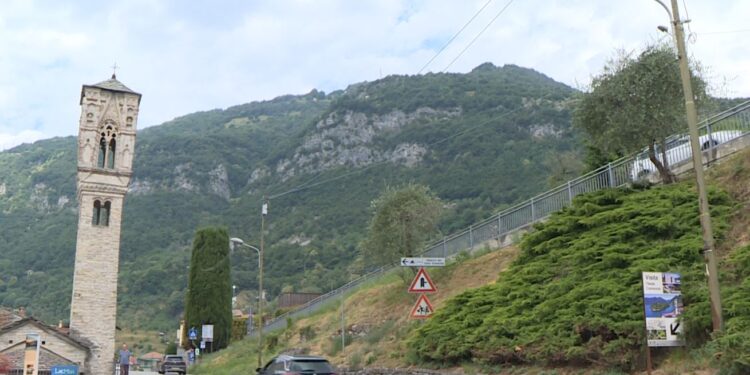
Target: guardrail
714 131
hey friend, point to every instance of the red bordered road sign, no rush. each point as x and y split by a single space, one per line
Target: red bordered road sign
422 309
422 283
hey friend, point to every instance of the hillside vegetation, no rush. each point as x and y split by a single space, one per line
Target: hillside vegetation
569 297
481 141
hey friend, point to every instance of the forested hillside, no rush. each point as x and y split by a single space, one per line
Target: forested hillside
480 141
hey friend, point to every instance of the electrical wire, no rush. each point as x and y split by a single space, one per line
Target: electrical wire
454 36
478 35
307 186
726 32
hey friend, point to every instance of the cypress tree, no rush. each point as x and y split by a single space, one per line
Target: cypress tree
209 296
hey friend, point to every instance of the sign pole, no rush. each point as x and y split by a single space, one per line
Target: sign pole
645 337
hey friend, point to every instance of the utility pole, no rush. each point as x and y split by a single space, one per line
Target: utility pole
705 215
263 213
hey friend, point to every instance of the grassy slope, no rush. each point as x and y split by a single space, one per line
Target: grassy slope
382 341
381 332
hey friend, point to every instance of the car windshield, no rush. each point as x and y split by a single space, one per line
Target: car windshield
318 366
174 359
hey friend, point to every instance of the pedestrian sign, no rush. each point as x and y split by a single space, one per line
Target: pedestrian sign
422 309
422 283
193 334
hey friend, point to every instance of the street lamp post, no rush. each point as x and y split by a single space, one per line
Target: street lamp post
705 215
237 241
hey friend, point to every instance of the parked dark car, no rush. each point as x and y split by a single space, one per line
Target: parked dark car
173 363
297 365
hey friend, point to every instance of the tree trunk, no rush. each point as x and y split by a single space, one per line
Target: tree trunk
667 176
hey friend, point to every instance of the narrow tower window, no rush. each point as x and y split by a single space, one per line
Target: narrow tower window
101 213
97 213
104 220
102 152
111 153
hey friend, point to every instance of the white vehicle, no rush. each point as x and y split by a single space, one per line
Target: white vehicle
678 150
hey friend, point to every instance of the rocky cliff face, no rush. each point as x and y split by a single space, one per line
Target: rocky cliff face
346 138
184 179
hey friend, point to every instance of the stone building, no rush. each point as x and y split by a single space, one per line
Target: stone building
106 141
56 348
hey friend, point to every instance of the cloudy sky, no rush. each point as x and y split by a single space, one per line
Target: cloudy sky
189 55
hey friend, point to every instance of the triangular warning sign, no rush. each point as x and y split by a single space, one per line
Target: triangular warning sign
422 309
422 283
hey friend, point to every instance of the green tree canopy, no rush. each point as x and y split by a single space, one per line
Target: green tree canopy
209 296
402 220
637 102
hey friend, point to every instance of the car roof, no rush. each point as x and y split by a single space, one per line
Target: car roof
287 357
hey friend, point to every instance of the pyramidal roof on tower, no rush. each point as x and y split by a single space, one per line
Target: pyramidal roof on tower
112 84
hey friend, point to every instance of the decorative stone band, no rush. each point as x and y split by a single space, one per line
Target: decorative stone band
102 188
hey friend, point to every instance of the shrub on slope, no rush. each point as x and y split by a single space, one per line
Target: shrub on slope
574 294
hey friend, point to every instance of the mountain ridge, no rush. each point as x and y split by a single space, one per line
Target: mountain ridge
481 140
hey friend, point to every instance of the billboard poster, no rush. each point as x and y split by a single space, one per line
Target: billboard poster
662 301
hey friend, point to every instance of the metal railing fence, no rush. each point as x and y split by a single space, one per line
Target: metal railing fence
720 128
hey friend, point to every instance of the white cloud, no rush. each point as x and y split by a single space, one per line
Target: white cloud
26 136
185 56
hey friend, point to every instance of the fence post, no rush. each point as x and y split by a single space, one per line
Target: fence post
570 194
611 175
445 250
708 133
532 210
471 238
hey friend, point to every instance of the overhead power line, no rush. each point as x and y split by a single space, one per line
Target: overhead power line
726 32
478 35
454 37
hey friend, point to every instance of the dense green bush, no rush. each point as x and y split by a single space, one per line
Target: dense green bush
733 345
239 329
574 295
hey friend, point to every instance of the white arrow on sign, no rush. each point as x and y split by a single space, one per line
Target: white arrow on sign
423 262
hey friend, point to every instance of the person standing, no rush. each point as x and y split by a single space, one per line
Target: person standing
124 360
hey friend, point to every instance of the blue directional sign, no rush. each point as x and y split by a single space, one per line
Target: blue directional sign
64 370
193 333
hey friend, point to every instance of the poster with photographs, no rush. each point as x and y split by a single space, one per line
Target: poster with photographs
662 301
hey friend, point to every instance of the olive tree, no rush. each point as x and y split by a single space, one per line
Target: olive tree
403 219
637 102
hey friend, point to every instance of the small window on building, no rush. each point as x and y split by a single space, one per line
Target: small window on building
102 152
104 220
97 213
101 214
111 153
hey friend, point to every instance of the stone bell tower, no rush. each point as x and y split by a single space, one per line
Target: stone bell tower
106 141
